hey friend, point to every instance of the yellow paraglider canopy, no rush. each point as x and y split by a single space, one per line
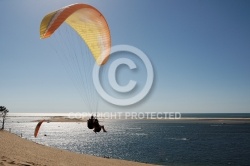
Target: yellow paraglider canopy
88 22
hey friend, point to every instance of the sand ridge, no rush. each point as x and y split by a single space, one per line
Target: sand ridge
18 151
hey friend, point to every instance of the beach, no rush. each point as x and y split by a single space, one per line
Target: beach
18 151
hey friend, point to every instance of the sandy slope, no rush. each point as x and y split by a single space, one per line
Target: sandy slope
17 151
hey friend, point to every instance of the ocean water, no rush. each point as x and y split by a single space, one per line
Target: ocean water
148 141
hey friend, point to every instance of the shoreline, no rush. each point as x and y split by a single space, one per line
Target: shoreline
61 119
205 120
15 150
166 120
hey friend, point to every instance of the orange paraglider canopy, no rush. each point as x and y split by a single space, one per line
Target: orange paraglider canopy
87 21
38 127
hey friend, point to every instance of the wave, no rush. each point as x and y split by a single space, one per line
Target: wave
140 134
179 139
134 128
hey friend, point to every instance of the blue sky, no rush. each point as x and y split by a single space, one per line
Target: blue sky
200 51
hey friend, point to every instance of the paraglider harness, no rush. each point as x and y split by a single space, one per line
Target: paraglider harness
93 123
90 122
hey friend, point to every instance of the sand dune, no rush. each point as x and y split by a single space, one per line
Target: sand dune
18 151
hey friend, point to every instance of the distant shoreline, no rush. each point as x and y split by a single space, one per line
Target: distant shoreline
209 120
212 120
200 120
61 119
